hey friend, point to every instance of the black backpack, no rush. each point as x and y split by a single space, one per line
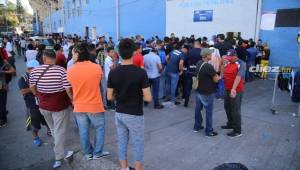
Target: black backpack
296 88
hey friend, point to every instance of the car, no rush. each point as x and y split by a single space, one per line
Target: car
48 42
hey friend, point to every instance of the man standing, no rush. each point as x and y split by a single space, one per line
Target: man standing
49 83
234 71
60 57
252 53
174 67
129 86
109 64
207 79
85 77
153 68
191 60
36 117
138 59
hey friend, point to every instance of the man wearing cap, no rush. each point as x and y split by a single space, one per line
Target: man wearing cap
233 73
32 108
207 79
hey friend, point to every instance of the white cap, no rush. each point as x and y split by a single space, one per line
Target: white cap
211 42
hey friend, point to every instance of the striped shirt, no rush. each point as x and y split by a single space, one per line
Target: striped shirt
53 81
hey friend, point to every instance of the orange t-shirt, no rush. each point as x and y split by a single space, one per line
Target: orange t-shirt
85 78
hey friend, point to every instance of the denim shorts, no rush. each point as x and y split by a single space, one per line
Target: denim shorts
134 126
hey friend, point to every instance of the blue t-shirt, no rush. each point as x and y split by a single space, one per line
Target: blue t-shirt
252 53
151 62
29 98
162 55
173 65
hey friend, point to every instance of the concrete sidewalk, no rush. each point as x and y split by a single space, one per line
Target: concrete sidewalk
269 141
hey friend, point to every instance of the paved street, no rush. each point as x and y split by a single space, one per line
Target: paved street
270 142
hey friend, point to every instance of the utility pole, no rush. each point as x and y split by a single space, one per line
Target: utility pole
117 20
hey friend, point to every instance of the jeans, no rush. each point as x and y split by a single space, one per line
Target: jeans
154 83
233 110
98 121
134 126
58 123
162 85
172 81
206 101
249 75
3 101
188 82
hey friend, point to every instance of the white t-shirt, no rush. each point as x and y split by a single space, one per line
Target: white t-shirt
23 43
66 50
108 62
9 49
151 62
31 55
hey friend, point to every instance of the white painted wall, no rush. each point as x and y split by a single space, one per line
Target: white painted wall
228 16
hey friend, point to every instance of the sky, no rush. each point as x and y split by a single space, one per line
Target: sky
25 4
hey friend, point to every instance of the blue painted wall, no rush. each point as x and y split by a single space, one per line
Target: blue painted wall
282 40
145 17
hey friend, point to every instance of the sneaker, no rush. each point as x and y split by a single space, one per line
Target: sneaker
211 134
198 130
57 164
3 124
186 105
177 103
69 157
159 107
37 142
88 157
234 134
103 154
226 127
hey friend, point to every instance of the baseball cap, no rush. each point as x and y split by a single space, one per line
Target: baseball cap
211 43
205 52
32 64
231 52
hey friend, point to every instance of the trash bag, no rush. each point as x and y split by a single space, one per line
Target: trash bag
231 166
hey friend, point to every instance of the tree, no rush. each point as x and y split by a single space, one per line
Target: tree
19 9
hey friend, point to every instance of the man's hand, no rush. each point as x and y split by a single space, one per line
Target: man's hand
233 93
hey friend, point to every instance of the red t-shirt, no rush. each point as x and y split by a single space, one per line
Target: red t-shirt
231 70
138 60
61 60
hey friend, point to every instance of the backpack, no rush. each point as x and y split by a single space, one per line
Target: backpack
296 88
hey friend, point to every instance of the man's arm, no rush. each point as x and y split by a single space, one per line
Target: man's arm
70 93
33 90
235 84
110 94
147 94
25 91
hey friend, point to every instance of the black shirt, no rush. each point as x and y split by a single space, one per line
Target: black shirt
128 81
192 59
223 47
206 84
241 53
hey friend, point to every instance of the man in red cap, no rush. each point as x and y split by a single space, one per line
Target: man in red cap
233 73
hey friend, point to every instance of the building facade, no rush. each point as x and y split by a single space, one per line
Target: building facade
123 18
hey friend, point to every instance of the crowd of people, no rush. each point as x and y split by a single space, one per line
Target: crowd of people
87 78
